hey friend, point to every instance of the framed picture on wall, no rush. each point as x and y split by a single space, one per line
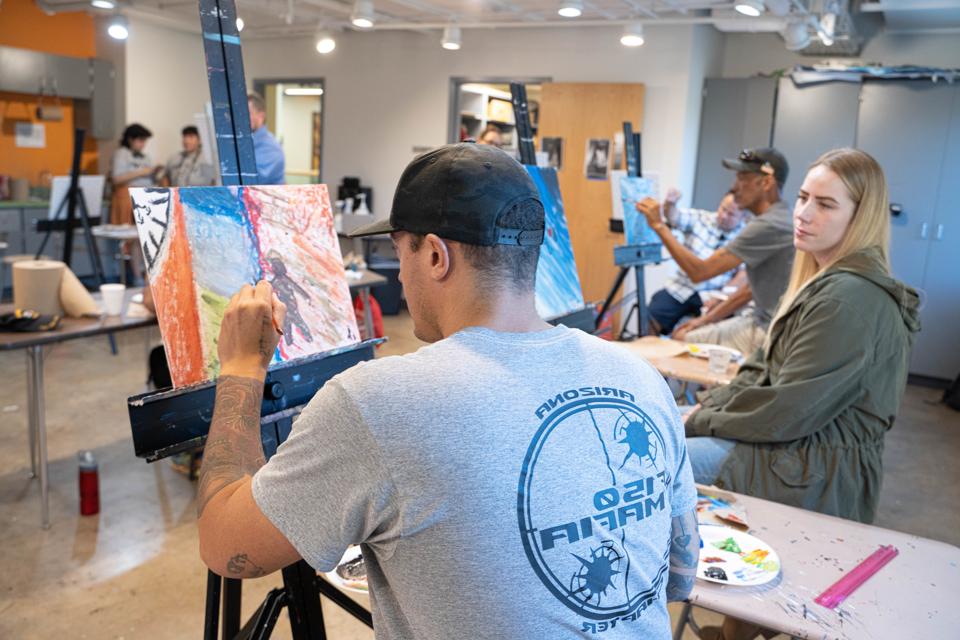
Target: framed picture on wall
596 162
553 147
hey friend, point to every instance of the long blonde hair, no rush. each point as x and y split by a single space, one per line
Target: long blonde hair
869 227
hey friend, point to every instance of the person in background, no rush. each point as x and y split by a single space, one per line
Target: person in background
186 168
131 167
492 136
418 457
803 422
703 233
270 161
765 245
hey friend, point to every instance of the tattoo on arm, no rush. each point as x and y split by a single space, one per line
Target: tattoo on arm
233 447
241 566
684 554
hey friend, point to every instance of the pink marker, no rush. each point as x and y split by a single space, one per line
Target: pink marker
842 588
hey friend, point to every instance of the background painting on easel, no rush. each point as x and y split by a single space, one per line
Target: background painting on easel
632 190
202 244
558 289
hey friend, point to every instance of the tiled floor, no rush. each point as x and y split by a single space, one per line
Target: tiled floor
133 571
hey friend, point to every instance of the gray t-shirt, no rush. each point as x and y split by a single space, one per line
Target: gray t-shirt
125 161
766 246
502 485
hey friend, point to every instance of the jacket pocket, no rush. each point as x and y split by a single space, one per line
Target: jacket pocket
793 471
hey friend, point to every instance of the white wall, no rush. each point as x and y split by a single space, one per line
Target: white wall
748 54
388 92
166 83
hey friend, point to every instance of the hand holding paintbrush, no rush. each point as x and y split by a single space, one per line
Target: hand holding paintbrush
250 331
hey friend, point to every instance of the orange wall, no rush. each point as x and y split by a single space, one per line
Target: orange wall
25 26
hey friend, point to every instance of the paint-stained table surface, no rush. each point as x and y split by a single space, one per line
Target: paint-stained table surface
914 596
672 359
74 328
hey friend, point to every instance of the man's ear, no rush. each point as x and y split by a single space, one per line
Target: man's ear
439 252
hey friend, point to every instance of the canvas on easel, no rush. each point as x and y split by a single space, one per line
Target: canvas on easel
202 244
558 290
635 227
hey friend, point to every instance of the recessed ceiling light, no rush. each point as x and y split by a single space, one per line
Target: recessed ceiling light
119 28
303 91
362 16
752 8
451 38
632 35
103 4
571 8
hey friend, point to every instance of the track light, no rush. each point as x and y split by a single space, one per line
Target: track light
102 4
362 16
796 35
325 43
632 35
119 27
827 27
571 8
752 8
451 37
239 24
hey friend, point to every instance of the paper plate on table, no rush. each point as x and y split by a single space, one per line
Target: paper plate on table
732 557
351 572
702 350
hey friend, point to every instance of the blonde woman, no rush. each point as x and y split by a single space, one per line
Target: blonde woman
804 420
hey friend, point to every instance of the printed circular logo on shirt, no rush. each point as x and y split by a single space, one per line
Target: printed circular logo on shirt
591 501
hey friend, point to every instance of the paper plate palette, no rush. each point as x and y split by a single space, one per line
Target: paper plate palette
732 557
350 573
702 350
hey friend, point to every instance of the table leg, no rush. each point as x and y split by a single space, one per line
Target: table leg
35 392
367 313
31 417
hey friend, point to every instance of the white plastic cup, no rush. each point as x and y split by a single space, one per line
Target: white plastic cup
112 298
719 360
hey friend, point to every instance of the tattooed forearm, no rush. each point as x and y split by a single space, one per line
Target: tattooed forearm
684 554
233 447
241 566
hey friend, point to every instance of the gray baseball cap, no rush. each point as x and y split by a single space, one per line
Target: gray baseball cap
460 192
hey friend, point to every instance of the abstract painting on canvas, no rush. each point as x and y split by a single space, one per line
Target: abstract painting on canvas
558 290
633 190
202 244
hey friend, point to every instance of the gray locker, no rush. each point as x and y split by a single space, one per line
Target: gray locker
810 120
905 125
737 114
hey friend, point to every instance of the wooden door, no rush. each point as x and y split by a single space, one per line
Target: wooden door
577 112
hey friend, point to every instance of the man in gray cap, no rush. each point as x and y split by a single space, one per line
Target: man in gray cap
765 246
511 480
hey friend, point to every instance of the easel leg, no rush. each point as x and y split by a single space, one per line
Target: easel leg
231 607
610 296
303 606
212 615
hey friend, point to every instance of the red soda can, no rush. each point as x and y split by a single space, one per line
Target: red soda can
89 484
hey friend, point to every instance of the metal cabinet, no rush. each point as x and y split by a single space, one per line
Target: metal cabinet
909 127
737 114
812 119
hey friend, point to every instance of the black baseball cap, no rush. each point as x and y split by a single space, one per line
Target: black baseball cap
764 160
460 192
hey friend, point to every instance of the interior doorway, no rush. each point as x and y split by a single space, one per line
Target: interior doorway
295 118
479 105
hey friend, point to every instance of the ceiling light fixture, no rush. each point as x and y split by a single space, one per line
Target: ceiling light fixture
451 37
796 35
325 43
571 8
303 91
240 24
827 27
362 16
119 28
103 4
752 8
632 35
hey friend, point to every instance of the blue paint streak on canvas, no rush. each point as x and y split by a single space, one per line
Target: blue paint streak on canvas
225 250
632 191
558 289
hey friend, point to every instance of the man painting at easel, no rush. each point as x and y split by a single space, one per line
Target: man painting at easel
506 452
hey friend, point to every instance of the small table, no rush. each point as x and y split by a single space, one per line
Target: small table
914 596
672 359
69 329
367 280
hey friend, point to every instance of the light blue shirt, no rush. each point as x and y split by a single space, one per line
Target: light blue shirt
269 154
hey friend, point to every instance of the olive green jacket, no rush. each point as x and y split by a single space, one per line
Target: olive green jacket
809 416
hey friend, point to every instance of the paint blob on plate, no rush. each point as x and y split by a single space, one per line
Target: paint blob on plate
732 557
